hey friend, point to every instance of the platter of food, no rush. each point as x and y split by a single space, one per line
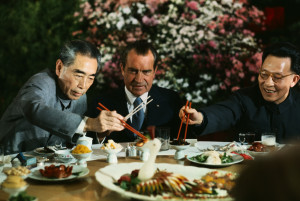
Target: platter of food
46 151
215 159
116 177
258 149
54 173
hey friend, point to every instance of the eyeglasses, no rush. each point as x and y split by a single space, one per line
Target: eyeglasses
276 77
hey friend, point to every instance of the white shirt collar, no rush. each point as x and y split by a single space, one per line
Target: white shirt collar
131 98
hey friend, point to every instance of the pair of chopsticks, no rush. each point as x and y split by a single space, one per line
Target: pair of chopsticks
124 123
138 108
187 120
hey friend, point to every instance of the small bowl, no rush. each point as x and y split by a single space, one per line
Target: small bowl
82 157
179 154
14 191
64 156
112 154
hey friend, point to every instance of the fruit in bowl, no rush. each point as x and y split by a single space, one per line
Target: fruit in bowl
64 156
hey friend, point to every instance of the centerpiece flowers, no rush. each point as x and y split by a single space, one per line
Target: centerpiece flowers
205 47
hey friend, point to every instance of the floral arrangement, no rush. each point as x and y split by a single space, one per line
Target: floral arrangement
205 46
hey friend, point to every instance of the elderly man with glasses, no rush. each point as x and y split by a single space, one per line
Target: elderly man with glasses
271 106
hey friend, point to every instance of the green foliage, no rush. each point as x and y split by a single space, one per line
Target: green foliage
31 32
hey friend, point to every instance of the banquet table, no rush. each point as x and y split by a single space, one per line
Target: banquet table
88 188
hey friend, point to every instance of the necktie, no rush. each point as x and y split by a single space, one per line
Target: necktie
138 118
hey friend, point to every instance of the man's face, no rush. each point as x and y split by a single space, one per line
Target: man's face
76 79
138 73
276 78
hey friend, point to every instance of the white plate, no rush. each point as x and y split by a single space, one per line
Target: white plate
263 153
108 175
41 151
236 159
36 175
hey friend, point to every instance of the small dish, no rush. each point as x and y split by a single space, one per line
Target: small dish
81 158
179 154
64 156
14 191
112 154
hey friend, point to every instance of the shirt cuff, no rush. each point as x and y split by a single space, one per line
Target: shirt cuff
81 126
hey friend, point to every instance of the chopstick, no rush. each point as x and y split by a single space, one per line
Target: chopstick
125 124
186 104
187 120
138 108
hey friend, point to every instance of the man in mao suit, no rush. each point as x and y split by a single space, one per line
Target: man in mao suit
270 106
138 66
51 104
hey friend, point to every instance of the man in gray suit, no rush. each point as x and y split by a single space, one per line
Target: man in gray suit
50 105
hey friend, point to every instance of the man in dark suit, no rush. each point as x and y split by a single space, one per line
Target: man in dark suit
138 66
271 106
51 104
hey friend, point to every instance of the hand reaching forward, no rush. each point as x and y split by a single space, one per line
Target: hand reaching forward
195 116
106 121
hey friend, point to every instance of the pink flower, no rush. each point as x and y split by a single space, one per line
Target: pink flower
235 88
212 44
192 5
149 21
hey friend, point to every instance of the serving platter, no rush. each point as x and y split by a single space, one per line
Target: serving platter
236 159
77 172
109 175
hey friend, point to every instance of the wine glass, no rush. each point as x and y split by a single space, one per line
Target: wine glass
58 144
242 138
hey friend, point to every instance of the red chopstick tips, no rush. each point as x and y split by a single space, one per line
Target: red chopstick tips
124 123
187 120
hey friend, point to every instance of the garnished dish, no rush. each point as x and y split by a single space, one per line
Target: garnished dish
258 149
55 173
214 158
81 149
141 142
48 150
179 142
168 182
17 171
111 145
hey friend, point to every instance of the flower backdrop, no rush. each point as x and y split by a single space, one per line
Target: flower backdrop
207 47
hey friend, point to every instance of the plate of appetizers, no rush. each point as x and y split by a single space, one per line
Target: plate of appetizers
215 158
122 178
58 173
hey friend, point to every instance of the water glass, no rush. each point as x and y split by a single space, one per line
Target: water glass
268 139
242 138
58 144
1 153
163 134
250 137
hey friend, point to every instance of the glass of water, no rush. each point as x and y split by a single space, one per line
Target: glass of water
242 138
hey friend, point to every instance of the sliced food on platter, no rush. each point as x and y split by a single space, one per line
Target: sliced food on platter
170 182
214 158
58 173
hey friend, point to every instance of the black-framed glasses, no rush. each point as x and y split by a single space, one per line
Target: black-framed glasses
276 77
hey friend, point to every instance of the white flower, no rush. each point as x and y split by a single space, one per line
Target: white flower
228 2
120 24
126 10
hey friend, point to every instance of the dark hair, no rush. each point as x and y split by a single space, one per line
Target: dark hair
284 49
141 47
71 48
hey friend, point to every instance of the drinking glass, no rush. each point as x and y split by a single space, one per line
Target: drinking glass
250 137
242 138
268 139
163 134
1 153
58 144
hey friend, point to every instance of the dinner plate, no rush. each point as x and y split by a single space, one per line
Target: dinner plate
108 175
77 172
236 159
263 153
42 151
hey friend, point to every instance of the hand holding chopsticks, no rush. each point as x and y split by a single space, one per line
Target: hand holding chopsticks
123 122
182 119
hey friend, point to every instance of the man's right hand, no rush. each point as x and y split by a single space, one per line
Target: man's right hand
106 121
195 116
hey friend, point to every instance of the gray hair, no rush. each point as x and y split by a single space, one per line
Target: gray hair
70 49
